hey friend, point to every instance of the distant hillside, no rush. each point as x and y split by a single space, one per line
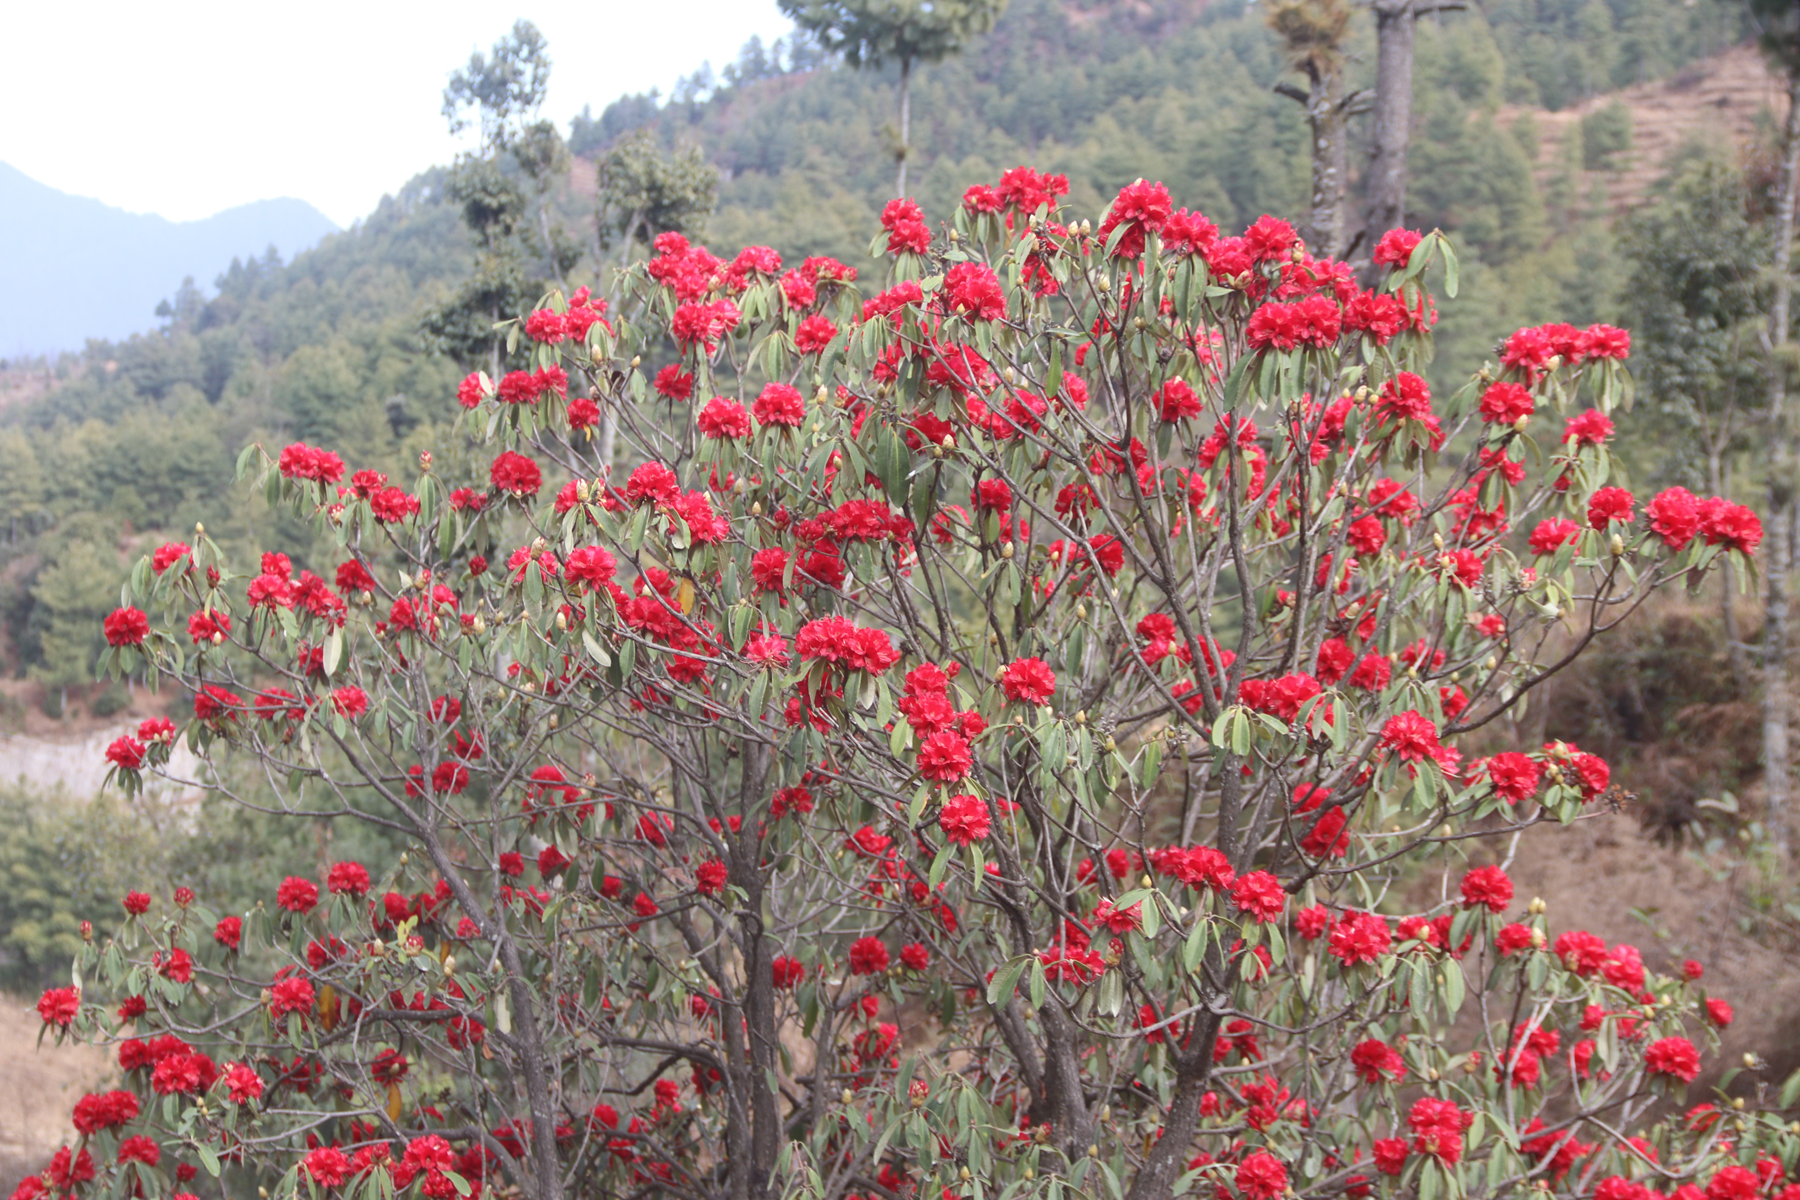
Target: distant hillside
1726 99
76 269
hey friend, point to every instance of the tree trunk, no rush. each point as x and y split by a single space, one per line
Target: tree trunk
1777 696
1393 115
1330 163
905 124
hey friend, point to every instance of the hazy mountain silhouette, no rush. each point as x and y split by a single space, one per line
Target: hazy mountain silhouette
74 268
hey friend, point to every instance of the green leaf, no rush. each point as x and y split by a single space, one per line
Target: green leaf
595 650
1006 982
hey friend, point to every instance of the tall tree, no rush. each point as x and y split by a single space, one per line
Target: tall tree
504 91
642 192
1779 21
869 33
1312 35
1392 132
1694 298
504 191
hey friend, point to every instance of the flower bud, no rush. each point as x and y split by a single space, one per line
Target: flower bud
756 508
538 546
1081 612
1103 284
1617 546
562 621
87 931
1537 907
847 1096
1522 422
478 625
1146 881
581 491
1006 551
450 964
635 360
1111 745
1081 717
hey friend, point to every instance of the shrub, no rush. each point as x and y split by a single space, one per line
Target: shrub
1065 646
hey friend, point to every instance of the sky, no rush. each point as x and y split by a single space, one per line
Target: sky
191 106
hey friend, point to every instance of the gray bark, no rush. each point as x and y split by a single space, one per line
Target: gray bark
1393 114
1777 691
905 124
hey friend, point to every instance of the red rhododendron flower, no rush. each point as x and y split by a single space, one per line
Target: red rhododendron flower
709 878
1376 1062
297 895
1552 535
974 290
778 404
326 1166
1395 247
944 757
1259 894
1675 1057
58 1006
1261 1176
515 474
1410 736
1609 505
1505 403
1028 681
868 955
1487 886
722 418
964 819
1730 525
1360 938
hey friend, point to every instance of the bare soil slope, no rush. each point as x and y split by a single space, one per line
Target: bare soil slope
1716 98
41 1085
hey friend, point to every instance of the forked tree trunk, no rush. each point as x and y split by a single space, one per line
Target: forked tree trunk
1777 693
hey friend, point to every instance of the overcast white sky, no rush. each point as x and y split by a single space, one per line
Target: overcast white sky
186 107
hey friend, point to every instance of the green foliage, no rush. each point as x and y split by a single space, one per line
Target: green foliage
1605 137
1694 301
503 89
643 191
870 33
61 864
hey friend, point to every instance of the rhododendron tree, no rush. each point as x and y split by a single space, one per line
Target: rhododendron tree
972 752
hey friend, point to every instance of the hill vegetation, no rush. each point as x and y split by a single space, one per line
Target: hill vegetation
131 435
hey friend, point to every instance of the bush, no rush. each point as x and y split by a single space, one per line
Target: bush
1605 137
1062 651
113 699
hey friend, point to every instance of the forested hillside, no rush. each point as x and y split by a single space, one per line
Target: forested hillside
328 348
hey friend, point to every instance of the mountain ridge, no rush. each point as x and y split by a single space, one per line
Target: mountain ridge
79 268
